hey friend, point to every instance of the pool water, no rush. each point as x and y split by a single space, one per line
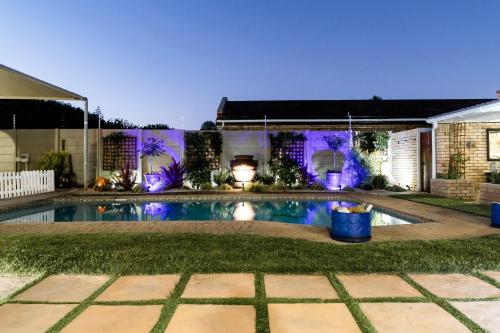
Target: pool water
316 213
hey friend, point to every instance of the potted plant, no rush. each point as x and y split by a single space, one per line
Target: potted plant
335 143
152 147
352 224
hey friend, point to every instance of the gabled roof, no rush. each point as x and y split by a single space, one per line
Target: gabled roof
360 110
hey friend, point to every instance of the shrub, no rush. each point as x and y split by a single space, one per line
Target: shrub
61 164
224 187
224 176
366 186
102 184
356 167
278 187
317 187
174 176
202 152
285 170
256 188
138 188
264 178
306 178
379 182
395 188
495 177
125 179
206 187
348 189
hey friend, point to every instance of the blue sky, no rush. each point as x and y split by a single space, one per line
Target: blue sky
172 61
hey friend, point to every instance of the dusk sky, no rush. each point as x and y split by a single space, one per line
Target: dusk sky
164 61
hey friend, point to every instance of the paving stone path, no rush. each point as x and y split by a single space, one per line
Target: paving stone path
251 302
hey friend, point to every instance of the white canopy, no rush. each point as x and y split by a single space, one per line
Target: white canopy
17 85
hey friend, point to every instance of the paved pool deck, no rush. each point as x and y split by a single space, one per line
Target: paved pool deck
254 302
438 223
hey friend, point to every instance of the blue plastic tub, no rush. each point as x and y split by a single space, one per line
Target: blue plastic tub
351 227
495 214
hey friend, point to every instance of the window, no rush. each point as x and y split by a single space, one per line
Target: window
493 144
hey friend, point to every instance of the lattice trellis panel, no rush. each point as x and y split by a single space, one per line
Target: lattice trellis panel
117 155
293 150
210 155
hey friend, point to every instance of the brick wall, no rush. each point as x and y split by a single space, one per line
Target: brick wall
475 142
404 158
463 189
489 193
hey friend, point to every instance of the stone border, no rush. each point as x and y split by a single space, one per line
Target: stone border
489 193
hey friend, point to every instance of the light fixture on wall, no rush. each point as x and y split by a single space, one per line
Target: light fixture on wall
470 144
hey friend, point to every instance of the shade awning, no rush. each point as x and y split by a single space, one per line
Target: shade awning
17 85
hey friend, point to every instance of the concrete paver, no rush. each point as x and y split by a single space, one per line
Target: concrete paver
233 285
207 318
299 286
411 318
24 318
115 318
140 287
456 285
63 288
493 275
377 285
484 313
311 318
10 284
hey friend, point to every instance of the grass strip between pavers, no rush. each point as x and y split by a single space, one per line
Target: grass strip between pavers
171 304
260 302
352 304
443 303
487 279
57 327
10 298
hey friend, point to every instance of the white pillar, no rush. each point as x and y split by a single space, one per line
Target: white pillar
85 143
434 158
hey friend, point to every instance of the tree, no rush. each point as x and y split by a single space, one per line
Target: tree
376 98
157 127
208 126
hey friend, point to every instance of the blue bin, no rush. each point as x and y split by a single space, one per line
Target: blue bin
495 214
351 227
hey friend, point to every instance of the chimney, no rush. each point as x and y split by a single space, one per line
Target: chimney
498 94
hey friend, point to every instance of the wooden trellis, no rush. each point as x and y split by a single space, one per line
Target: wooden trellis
292 149
119 154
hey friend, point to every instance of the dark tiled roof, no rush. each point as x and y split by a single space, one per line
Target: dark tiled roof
338 109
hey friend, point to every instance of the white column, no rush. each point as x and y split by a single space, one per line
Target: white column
434 158
85 143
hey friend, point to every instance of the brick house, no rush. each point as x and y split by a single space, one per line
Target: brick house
425 133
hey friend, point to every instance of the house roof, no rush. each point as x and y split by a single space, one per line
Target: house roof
360 110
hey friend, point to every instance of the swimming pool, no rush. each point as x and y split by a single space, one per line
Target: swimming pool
316 213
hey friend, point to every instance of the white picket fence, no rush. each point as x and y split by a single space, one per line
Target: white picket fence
17 184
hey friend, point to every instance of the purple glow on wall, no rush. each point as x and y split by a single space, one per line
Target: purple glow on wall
351 173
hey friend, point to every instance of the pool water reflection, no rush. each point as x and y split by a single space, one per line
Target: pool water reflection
315 213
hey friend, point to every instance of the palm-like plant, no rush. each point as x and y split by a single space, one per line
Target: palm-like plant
174 176
125 179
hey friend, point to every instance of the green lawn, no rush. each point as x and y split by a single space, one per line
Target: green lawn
163 253
467 207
